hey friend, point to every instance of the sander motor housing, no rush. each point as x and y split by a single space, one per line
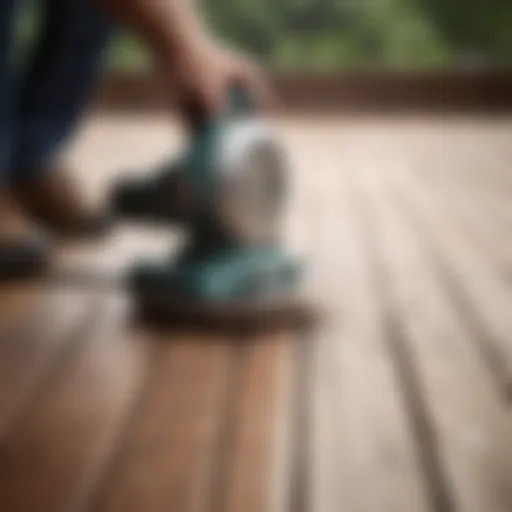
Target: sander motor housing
229 190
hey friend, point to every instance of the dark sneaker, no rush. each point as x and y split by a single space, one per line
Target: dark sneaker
56 202
24 251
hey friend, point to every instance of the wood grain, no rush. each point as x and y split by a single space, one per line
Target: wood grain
258 403
363 448
57 448
165 466
32 346
467 414
398 402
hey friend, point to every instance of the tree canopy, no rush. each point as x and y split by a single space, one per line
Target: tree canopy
331 35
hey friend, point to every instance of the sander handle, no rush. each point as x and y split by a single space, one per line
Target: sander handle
240 101
204 144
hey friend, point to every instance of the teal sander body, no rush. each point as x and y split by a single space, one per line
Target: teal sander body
229 190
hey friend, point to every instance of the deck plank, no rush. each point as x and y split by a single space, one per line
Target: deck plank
470 420
252 478
15 301
58 449
364 452
168 452
484 232
399 402
33 345
483 300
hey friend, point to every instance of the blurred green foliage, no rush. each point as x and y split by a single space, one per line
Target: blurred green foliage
330 35
322 35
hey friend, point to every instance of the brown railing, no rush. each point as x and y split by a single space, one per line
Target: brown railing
358 92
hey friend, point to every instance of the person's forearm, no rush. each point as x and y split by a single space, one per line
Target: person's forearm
166 26
197 69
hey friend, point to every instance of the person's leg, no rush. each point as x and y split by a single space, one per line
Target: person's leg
8 11
22 249
55 90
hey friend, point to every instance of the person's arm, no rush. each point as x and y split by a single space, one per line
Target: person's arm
168 27
198 68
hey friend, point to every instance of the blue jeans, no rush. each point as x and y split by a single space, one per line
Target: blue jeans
40 106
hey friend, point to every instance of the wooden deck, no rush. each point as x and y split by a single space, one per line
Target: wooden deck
400 402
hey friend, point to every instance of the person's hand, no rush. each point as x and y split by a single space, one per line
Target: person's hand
198 69
203 72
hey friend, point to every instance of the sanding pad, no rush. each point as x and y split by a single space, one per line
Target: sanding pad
166 310
286 311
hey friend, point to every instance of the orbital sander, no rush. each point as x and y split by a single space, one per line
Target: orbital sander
228 189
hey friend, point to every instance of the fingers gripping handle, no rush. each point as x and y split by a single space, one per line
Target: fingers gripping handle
239 101
204 147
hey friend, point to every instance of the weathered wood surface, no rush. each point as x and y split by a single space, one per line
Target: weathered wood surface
400 401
